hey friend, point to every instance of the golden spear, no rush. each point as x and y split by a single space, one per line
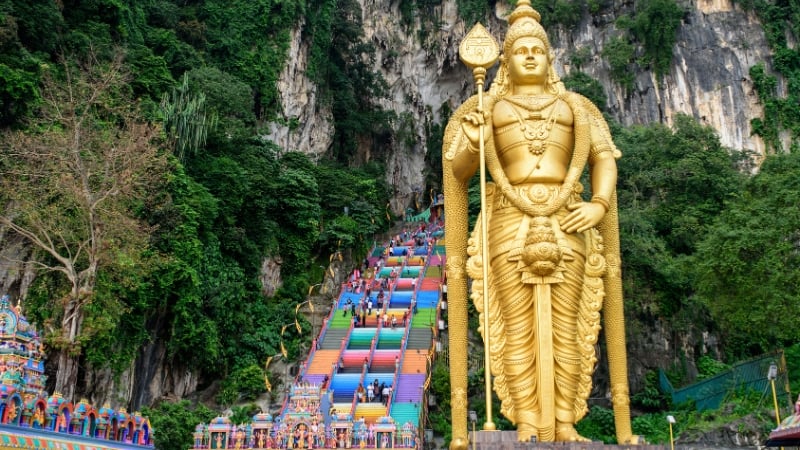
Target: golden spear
479 51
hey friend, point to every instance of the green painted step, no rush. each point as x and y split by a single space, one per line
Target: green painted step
424 318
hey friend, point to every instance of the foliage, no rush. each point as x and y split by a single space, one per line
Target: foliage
244 414
18 93
265 26
566 13
579 57
792 356
472 11
175 422
185 119
439 415
650 398
781 110
769 126
598 425
245 383
344 70
747 409
673 184
747 265
434 133
72 182
587 86
421 12
229 99
619 53
655 25
653 427
476 389
362 192
34 24
708 367
298 203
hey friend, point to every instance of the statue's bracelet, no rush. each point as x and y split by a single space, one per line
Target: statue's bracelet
601 201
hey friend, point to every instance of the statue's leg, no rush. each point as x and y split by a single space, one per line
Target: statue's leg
518 312
566 297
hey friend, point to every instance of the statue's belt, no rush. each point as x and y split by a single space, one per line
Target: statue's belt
538 194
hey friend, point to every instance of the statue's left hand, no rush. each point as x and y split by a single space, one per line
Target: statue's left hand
582 216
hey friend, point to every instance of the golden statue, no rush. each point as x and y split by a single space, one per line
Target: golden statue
552 257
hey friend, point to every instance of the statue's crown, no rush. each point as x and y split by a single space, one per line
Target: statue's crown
524 21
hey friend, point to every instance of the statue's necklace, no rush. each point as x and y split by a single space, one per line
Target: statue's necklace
534 103
535 133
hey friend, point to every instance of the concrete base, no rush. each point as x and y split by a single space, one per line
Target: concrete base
507 440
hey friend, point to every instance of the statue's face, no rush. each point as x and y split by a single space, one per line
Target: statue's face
527 63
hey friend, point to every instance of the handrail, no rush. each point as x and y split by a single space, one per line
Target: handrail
373 346
317 340
355 393
345 340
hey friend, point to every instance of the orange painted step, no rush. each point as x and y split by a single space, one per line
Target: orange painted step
414 362
321 363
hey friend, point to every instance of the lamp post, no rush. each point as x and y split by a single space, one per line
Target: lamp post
771 375
473 417
671 420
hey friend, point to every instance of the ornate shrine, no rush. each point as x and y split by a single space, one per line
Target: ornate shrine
304 426
24 404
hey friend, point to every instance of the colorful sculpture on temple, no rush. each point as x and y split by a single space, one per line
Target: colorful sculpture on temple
304 426
25 404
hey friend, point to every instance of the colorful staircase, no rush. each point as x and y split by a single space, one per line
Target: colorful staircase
349 356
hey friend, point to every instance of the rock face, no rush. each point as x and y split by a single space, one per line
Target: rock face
716 45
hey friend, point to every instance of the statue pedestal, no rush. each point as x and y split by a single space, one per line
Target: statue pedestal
507 440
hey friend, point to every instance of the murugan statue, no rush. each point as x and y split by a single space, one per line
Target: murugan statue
552 264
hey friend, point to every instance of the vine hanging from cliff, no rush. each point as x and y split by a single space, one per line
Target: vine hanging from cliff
344 69
781 111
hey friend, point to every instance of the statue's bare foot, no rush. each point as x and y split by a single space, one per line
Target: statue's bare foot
525 432
565 432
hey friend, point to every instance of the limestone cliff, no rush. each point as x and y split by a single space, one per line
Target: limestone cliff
716 45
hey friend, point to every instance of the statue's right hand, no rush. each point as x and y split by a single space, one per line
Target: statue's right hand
471 124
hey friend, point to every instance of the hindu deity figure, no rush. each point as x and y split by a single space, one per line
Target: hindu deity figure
553 257
270 441
38 418
11 413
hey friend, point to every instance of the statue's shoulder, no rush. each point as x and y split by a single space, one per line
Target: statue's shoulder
600 131
578 101
469 105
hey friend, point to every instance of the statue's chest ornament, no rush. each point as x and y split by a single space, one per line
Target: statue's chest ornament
534 127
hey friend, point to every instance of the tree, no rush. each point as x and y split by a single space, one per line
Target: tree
70 183
673 184
185 119
175 422
748 265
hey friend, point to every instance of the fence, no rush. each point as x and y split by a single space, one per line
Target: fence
750 375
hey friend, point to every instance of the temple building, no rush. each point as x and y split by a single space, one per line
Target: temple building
29 418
